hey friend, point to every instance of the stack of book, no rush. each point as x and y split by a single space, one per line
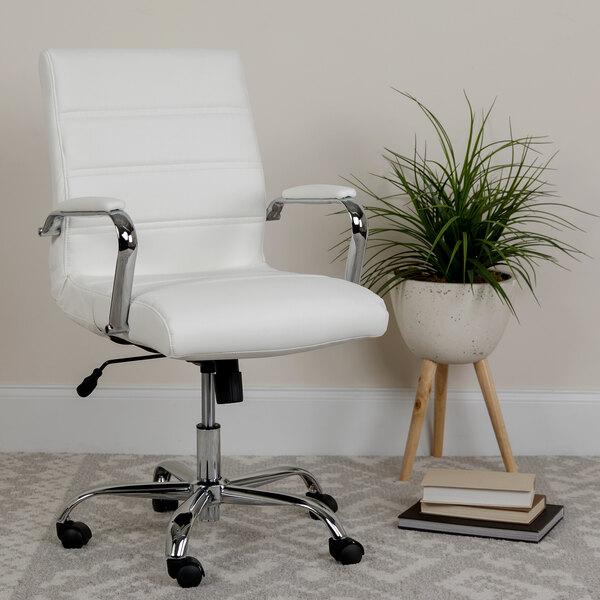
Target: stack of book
482 503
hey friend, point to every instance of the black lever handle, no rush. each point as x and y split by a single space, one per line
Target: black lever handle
88 385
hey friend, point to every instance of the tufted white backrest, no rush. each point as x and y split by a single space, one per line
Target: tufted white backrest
169 132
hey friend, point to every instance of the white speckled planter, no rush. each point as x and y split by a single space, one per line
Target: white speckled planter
450 323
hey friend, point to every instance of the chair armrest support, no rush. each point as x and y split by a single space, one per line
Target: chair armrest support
330 194
127 250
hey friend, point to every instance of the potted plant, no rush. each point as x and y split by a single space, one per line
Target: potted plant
450 242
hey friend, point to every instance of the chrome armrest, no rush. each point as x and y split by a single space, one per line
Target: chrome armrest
125 265
358 219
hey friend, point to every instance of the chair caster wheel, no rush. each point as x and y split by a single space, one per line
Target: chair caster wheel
73 534
346 550
162 506
159 504
187 570
326 499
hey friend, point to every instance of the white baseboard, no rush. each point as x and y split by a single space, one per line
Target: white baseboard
290 421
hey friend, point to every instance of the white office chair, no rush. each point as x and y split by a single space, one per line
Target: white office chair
167 136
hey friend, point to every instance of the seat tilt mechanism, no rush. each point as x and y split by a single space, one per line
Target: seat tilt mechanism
227 377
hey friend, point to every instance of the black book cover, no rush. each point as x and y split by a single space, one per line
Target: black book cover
413 518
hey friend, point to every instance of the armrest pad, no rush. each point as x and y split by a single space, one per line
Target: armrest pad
91 203
319 191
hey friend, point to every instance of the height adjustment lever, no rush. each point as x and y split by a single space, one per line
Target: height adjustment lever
88 385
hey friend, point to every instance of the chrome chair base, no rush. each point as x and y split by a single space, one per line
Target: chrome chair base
198 495
201 501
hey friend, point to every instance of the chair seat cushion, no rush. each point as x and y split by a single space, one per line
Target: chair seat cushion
237 314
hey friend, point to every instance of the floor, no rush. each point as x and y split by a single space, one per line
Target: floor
267 552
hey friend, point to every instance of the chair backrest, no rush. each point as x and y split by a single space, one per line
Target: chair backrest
169 132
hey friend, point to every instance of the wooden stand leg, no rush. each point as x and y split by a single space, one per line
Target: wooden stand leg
439 414
424 386
484 375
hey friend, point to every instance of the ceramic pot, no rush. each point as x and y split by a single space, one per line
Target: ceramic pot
450 323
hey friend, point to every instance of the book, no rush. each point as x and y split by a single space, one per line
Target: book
486 513
479 488
413 518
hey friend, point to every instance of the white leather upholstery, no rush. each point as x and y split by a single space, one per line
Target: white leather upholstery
251 312
169 134
321 190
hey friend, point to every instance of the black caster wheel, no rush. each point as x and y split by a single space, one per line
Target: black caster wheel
160 505
187 570
346 550
326 499
73 534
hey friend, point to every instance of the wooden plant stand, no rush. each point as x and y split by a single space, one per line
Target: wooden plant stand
431 371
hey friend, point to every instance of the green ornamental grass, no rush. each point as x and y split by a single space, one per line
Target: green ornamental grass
464 221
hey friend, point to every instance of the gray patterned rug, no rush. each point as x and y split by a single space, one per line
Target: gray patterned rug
263 553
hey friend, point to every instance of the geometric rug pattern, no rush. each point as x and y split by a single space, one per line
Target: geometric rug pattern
271 552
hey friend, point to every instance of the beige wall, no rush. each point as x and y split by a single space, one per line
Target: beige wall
319 74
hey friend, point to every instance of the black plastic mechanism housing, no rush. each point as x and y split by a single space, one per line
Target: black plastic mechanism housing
227 377
228 382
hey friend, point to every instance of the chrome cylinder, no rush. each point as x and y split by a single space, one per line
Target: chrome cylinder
209 453
208 399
